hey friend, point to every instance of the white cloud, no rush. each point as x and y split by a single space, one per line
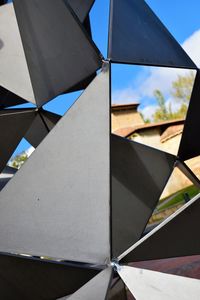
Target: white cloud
29 151
149 111
191 46
158 78
126 95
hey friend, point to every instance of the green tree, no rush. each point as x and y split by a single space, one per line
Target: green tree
182 88
181 91
18 160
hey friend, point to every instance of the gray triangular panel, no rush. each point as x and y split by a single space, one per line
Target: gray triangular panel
139 174
190 144
145 284
6 175
29 278
41 126
65 57
13 124
14 74
64 187
176 236
138 37
81 7
96 288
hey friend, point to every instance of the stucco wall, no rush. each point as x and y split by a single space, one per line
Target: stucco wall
125 118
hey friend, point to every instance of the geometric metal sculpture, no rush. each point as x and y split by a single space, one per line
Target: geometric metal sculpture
41 126
14 75
85 196
96 288
6 175
149 169
117 290
9 99
15 124
145 284
81 8
55 64
172 238
137 36
62 227
32 278
32 124
190 145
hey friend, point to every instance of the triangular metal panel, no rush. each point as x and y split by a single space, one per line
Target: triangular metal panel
117 290
6 175
139 174
96 288
62 207
2 2
190 144
137 36
31 278
176 236
42 124
14 74
81 7
145 284
9 99
49 118
14 124
82 84
65 57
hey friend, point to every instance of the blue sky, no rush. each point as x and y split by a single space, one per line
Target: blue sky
133 83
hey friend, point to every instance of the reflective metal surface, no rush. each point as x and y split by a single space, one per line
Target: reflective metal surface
137 36
139 174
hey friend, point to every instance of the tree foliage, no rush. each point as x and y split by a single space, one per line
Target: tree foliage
182 88
181 91
18 160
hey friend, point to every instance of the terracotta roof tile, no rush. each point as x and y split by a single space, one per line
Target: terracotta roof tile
171 131
127 131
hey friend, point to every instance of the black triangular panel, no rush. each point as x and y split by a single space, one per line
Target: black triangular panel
65 57
3 2
28 278
87 26
49 118
175 237
13 124
82 84
81 7
117 290
9 99
40 127
190 144
139 174
138 37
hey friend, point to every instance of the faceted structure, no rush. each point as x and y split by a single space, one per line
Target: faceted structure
75 214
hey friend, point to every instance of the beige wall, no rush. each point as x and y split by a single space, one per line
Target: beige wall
125 118
151 137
